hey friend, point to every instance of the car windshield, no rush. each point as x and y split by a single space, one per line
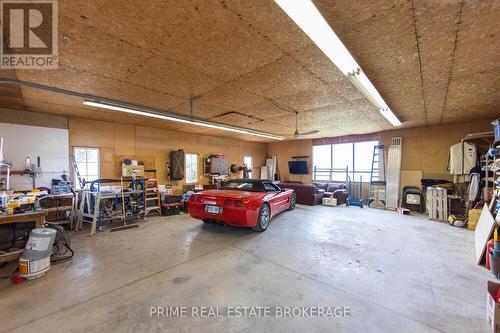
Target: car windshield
243 186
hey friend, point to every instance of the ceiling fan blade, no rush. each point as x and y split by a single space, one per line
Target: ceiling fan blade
310 132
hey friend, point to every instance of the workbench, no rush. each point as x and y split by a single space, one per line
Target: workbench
38 217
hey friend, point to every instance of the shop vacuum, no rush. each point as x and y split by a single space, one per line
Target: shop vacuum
44 246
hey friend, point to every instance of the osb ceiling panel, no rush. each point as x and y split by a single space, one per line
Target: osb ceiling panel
433 62
99 84
263 110
268 19
436 27
478 94
291 85
414 51
382 40
317 63
200 110
479 27
203 34
230 96
108 56
237 119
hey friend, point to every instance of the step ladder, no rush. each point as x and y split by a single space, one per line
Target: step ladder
81 181
152 198
377 191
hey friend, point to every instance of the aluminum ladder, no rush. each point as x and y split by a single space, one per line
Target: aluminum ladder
378 184
77 172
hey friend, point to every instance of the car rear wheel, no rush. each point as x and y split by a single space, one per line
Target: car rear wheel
293 201
263 219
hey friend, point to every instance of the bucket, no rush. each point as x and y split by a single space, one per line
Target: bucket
494 265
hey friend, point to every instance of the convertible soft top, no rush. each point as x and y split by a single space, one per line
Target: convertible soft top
252 185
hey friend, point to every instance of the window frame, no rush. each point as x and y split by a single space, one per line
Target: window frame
186 168
85 176
352 173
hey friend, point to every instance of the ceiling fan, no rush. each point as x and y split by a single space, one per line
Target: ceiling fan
297 134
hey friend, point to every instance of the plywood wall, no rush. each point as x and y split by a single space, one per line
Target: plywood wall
425 149
32 118
285 150
152 145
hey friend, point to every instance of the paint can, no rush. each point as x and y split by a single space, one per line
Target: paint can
35 260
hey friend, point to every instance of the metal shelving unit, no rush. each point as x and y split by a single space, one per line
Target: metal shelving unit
97 207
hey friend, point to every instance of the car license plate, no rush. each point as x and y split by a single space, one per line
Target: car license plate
213 209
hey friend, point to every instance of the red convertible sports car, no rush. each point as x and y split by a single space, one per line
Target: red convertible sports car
242 202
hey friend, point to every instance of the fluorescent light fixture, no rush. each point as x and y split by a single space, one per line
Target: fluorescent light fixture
390 116
361 81
133 111
141 111
305 14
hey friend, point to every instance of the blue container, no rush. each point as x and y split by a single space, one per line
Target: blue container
496 128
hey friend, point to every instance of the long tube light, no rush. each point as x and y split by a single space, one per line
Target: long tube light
364 85
390 116
305 14
141 111
361 81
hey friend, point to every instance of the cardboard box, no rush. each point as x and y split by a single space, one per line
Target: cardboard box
493 308
329 202
129 170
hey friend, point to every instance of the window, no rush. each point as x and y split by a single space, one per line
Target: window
191 168
87 160
242 185
363 156
330 161
247 160
341 158
270 187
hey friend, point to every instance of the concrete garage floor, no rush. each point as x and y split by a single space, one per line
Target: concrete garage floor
396 273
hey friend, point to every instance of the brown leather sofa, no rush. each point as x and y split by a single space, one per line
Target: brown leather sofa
338 190
306 194
313 194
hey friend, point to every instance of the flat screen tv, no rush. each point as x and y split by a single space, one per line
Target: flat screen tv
298 167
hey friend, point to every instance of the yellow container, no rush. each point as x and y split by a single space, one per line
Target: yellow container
474 215
13 204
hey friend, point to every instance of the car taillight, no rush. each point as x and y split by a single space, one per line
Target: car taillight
198 198
228 202
238 203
